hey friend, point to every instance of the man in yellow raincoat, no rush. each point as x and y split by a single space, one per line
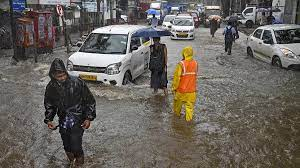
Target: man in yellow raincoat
185 83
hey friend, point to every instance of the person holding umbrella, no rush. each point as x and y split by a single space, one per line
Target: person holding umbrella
158 66
154 21
158 57
213 23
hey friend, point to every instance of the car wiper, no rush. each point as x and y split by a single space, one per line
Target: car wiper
115 52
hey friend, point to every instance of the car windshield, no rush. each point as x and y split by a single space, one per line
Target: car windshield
287 36
183 22
105 44
169 18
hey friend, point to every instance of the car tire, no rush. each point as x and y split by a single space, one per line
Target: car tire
249 52
277 62
249 24
127 78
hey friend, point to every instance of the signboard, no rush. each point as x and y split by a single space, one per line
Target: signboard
59 10
55 2
90 5
18 5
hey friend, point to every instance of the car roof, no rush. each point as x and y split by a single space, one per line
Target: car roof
170 15
184 17
119 29
280 26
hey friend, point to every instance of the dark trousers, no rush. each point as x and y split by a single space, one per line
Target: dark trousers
72 140
228 46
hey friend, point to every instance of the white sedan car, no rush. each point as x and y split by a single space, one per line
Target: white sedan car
278 45
167 25
183 28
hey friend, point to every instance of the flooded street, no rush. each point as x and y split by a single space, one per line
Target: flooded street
246 115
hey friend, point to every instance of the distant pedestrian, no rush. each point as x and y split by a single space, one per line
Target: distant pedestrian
154 21
270 18
158 66
263 20
234 21
229 33
68 32
69 98
184 84
213 26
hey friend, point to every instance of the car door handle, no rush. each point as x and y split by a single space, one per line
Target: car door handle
251 39
142 53
259 43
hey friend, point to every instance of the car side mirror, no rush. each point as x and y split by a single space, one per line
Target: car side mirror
134 47
268 41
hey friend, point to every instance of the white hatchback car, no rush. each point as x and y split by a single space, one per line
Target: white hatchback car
183 28
278 45
111 55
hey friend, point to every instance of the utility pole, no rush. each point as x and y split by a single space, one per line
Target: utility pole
98 11
103 12
111 11
230 8
13 28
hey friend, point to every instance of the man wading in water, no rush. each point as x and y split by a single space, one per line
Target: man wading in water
69 98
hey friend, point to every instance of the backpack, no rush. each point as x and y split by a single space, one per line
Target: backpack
157 58
228 34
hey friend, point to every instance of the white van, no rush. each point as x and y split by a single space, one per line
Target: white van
111 55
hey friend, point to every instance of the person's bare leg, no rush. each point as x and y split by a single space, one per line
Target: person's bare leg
165 91
79 161
71 158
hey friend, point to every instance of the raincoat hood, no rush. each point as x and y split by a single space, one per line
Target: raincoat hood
187 53
57 65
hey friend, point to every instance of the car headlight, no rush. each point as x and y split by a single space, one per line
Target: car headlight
70 66
113 69
191 31
173 30
288 53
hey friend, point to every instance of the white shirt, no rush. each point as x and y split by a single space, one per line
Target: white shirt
154 22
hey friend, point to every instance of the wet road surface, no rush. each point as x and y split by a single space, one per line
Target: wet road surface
247 115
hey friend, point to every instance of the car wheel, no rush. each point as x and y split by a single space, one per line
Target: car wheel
249 24
277 62
249 52
127 78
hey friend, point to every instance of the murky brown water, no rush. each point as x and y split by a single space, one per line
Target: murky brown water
247 115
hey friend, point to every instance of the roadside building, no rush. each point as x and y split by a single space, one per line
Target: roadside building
292 11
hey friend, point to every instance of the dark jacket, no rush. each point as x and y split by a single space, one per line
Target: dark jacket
157 57
72 96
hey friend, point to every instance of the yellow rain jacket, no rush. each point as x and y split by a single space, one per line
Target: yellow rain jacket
187 99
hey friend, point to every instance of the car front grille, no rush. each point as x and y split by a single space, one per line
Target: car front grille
89 69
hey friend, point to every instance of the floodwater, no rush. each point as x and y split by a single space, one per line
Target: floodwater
246 115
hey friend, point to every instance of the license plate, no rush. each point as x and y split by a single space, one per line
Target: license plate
182 34
88 77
